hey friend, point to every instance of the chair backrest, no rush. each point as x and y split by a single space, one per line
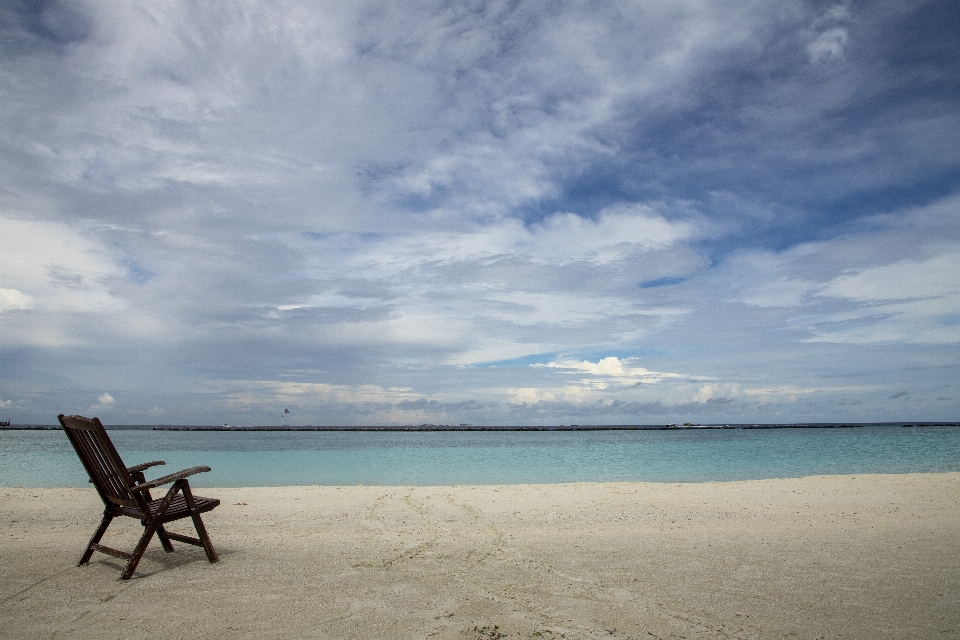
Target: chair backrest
101 460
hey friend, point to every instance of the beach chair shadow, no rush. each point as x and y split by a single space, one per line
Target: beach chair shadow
125 492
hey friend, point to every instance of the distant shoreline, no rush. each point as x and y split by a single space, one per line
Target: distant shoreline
473 428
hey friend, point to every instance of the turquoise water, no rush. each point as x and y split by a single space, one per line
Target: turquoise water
45 459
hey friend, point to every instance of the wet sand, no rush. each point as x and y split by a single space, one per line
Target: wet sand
875 556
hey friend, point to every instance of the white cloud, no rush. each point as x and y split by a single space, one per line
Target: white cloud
831 41
611 370
617 232
558 239
895 281
829 45
13 300
56 267
714 391
73 283
251 393
791 392
105 402
936 277
481 293
909 301
764 279
574 394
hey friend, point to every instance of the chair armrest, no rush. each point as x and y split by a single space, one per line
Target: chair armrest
179 475
145 465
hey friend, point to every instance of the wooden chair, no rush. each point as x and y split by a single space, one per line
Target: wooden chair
125 492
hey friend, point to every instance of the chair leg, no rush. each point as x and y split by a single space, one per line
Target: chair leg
205 539
198 524
150 527
102 529
149 530
164 540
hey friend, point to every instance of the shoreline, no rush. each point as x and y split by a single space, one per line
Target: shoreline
211 489
859 556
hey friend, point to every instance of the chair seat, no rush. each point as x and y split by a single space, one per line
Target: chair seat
177 510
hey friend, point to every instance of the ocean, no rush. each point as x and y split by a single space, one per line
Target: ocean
43 458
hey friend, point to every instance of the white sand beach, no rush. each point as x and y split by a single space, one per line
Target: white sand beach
874 556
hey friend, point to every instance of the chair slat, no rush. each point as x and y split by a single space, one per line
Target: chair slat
112 468
96 466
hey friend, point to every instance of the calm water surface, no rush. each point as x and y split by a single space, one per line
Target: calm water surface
45 459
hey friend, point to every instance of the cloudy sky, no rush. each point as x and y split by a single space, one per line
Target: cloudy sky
504 212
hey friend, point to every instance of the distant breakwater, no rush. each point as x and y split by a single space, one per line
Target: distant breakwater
518 428
469 428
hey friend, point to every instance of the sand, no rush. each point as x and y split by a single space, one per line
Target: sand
874 556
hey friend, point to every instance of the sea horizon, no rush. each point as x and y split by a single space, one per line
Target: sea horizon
473 427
